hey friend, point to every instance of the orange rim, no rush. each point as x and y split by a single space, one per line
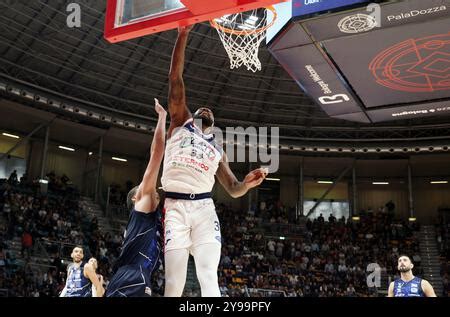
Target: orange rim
259 30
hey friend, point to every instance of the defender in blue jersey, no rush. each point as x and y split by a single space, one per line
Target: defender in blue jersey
81 277
409 285
141 248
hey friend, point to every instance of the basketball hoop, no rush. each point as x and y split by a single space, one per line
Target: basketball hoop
242 34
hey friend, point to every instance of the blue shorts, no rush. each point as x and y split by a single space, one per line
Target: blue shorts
130 281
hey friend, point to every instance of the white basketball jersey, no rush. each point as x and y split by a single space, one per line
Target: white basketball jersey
191 161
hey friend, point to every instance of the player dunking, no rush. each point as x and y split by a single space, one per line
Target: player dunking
409 285
192 160
81 277
141 248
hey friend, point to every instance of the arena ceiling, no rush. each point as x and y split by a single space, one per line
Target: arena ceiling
39 51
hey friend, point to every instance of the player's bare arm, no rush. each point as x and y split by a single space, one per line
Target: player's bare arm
391 290
178 109
146 196
428 289
232 185
89 272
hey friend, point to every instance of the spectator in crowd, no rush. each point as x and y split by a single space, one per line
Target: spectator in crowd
329 259
322 259
27 243
13 178
321 218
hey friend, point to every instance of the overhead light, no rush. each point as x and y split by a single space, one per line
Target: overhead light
380 183
66 148
43 181
90 153
11 135
412 219
273 179
54 103
356 218
282 238
27 94
119 159
13 90
41 99
439 182
325 182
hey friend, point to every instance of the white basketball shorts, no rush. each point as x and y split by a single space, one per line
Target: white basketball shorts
190 223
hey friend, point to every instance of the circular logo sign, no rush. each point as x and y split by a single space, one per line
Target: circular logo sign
357 23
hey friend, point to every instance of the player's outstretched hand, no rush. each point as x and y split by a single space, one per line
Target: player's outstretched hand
255 177
159 109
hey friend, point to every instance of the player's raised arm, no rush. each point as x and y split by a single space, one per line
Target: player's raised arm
178 109
232 185
148 184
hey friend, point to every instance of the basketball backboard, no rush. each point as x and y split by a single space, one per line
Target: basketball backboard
128 19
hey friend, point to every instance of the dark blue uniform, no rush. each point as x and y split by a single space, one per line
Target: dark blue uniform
140 255
412 288
77 285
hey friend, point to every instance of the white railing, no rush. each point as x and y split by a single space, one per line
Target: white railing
265 292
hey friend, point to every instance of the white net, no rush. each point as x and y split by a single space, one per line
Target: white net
242 34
